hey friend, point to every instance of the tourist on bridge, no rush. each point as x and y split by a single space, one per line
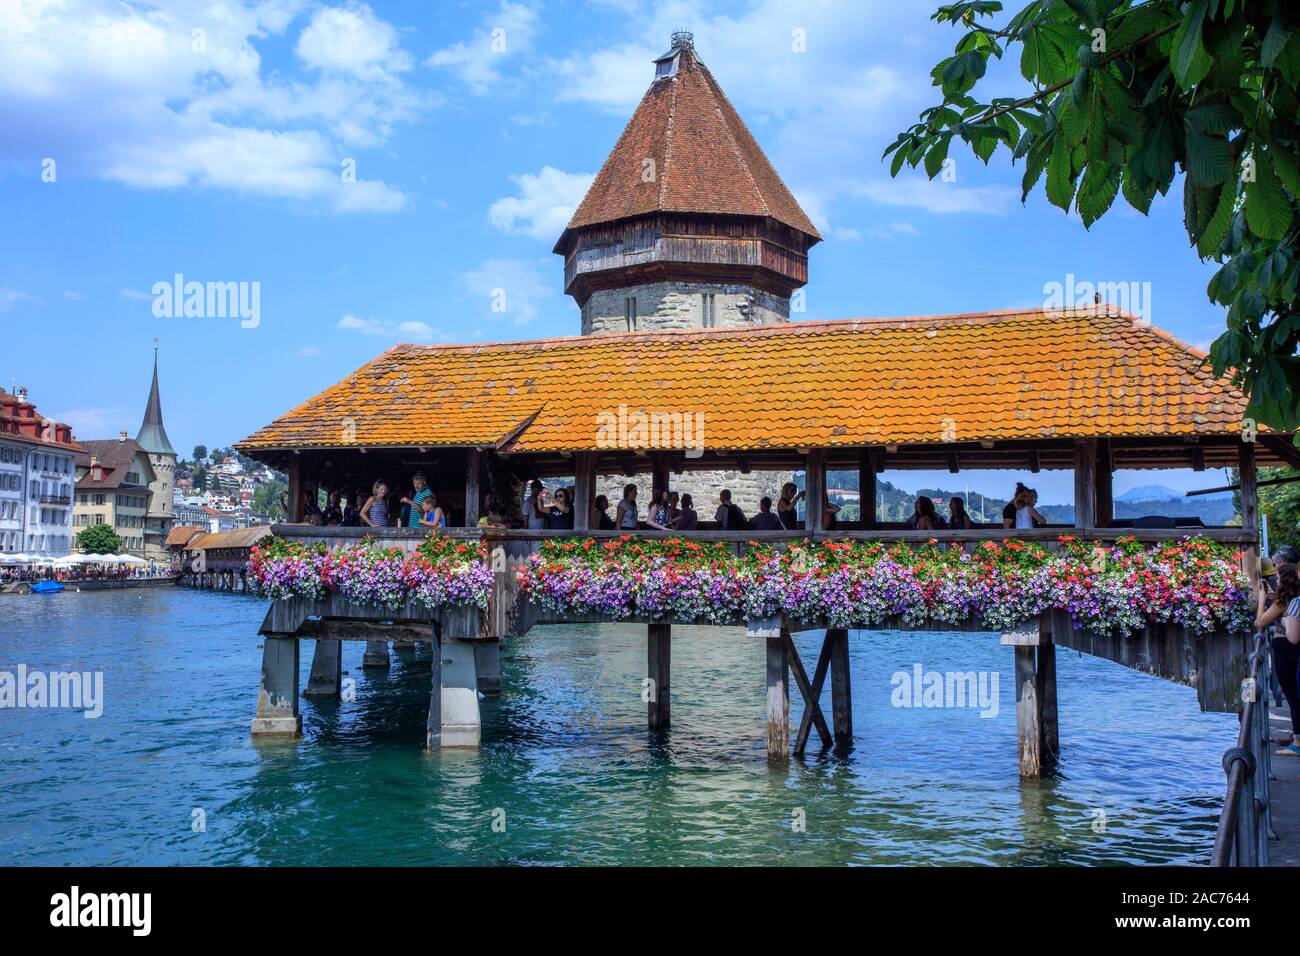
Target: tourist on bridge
926 517
787 507
600 519
729 516
765 520
334 509
415 503
688 519
559 516
375 511
1283 606
959 518
534 514
430 515
659 516
352 512
627 516
1020 511
311 510
673 509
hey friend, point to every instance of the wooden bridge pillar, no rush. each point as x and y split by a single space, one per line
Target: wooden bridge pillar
277 694
841 689
376 655
1037 736
778 699
658 672
326 678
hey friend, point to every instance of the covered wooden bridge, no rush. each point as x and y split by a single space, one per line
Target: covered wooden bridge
1092 390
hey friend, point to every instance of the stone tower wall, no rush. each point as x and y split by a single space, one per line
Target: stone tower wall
680 305
703 487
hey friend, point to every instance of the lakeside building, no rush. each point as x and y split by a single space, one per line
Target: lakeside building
37 469
128 483
113 481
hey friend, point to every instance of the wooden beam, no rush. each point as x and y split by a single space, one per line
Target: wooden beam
1028 714
1105 484
815 486
778 700
867 488
1046 660
1283 447
1085 482
659 468
433 727
841 688
658 671
811 692
473 485
297 500
584 490
1249 506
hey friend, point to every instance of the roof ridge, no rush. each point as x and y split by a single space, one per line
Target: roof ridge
716 90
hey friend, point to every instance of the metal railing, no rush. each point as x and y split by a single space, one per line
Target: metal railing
1245 823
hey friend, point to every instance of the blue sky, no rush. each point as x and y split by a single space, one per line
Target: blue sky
474 129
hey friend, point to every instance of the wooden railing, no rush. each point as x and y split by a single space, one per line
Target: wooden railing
1245 823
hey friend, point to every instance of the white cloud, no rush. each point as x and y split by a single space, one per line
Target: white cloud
502 36
406 331
352 40
544 205
514 289
8 298
135 294
935 196
893 230
133 94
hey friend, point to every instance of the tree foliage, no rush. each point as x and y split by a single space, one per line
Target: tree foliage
1281 505
1126 95
99 539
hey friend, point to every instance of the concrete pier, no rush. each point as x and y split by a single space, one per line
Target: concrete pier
277 694
457 696
487 663
326 678
376 655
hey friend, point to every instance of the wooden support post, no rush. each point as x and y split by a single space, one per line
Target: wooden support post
433 734
473 484
584 490
867 488
297 499
778 700
1085 482
841 692
1105 484
1046 669
810 691
277 694
659 468
1249 507
1029 728
815 486
326 679
658 671
376 655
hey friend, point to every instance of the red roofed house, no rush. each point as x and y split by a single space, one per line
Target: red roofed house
36 476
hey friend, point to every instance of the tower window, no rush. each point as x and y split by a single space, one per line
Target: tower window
708 311
629 312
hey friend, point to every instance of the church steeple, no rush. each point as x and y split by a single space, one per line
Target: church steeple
687 223
152 436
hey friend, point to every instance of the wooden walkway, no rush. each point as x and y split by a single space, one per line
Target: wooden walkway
1284 794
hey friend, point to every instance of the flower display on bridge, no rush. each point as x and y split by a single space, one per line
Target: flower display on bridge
1109 589
442 572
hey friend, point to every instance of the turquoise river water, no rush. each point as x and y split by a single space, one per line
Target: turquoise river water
568 773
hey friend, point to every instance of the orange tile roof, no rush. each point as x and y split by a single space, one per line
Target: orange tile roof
999 375
705 159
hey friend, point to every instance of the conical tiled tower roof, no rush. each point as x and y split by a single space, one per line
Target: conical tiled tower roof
152 436
704 159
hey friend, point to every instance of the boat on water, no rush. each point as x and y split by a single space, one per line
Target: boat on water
46 587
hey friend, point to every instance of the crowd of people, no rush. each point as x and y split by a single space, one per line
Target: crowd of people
1278 610
35 573
382 507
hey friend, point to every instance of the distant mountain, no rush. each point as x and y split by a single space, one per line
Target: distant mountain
1149 493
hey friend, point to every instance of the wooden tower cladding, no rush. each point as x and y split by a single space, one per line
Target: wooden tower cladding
686 224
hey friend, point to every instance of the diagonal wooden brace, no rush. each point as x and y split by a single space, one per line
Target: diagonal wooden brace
812 710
